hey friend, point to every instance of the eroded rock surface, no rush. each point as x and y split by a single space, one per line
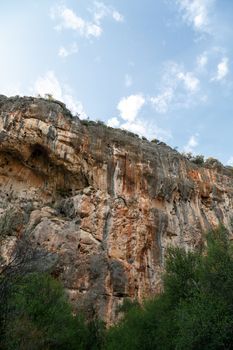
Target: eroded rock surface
105 202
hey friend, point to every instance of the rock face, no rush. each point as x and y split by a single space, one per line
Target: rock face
105 202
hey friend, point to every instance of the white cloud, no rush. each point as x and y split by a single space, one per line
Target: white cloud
191 83
67 51
177 89
93 30
230 161
147 129
100 11
192 143
128 80
69 20
202 61
76 107
49 84
11 89
130 106
137 127
117 16
63 52
113 122
196 13
163 100
222 70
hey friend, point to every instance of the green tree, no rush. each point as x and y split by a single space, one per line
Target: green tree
40 317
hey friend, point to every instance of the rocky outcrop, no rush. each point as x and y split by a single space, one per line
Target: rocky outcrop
106 203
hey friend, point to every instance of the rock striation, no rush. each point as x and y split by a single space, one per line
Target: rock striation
105 203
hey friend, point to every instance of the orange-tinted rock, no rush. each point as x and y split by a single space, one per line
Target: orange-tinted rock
107 203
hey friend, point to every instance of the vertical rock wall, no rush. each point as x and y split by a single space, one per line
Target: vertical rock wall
106 203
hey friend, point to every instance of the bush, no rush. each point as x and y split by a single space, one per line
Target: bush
213 163
155 141
198 159
9 222
49 97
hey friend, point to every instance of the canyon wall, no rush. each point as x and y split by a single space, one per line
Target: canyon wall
102 202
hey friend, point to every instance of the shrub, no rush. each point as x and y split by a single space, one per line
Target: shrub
49 97
9 222
213 163
198 159
155 141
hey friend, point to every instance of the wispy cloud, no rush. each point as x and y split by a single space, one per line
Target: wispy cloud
230 161
222 70
202 60
196 13
49 84
191 82
12 88
162 101
191 144
68 51
100 11
117 16
66 18
177 87
128 80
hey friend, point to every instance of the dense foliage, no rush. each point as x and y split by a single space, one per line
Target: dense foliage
195 310
40 317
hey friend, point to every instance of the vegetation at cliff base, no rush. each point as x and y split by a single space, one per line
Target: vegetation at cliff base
39 316
195 310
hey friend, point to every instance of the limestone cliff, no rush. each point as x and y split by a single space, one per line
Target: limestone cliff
105 202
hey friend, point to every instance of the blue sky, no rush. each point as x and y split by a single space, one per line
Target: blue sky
160 68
